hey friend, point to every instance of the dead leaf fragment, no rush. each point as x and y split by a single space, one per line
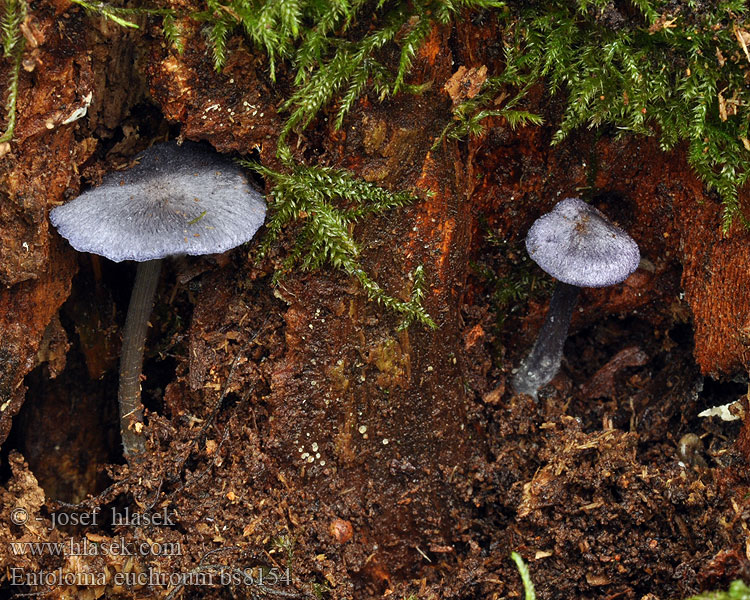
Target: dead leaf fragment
663 22
727 107
743 37
597 580
602 384
465 83
494 396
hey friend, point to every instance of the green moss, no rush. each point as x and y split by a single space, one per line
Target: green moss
13 15
512 276
469 116
737 591
284 545
657 68
677 71
118 15
326 203
337 48
681 77
523 571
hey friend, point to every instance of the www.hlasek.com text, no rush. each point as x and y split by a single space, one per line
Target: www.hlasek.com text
85 547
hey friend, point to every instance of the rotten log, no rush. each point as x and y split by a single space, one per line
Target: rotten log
387 411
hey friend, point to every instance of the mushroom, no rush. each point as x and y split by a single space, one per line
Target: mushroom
580 247
178 199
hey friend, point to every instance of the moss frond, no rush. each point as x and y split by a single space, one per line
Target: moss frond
738 590
173 32
327 203
351 65
115 14
681 77
470 116
13 16
217 34
523 571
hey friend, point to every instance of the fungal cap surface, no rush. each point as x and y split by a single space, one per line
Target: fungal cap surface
578 245
182 199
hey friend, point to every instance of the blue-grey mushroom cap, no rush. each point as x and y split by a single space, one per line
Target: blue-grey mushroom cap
578 245
178 199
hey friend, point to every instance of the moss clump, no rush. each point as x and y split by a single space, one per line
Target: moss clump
676 70
13 15
737 591
338 48
677 74
327 203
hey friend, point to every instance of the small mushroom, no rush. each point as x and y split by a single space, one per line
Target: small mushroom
580 247
178 199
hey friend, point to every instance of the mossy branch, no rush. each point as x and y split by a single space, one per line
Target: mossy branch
352 66
12 100
470 115
115 14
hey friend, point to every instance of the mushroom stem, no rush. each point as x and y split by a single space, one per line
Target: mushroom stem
131 359
543 362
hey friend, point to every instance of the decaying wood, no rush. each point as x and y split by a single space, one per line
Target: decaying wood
307 394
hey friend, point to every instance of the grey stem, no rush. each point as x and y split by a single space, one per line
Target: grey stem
543 362
131 359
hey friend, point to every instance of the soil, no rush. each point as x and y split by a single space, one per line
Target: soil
299 444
